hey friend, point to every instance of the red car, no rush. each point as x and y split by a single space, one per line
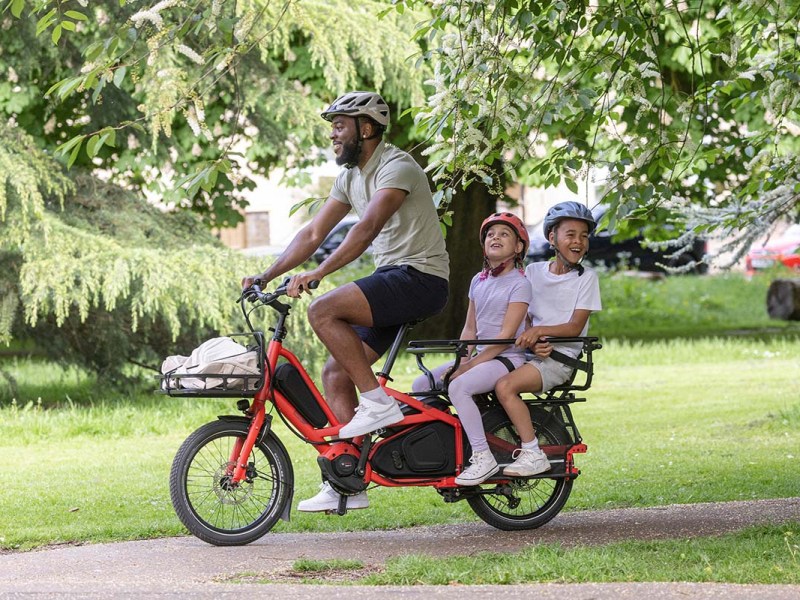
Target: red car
784 249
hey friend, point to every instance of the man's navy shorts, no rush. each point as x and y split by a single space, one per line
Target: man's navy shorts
397 295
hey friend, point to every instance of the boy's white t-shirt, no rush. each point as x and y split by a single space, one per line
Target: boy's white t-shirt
556 297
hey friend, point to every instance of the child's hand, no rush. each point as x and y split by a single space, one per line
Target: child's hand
462 368
529 338
542 349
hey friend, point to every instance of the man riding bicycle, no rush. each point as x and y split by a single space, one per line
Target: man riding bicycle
358 321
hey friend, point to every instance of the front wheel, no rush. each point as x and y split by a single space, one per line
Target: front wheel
214 508
523 503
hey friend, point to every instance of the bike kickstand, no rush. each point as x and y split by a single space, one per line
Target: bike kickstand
342 510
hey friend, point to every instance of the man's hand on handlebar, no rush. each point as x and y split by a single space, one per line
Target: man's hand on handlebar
249 280
303 282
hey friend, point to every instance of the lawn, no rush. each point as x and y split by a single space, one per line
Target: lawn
669 420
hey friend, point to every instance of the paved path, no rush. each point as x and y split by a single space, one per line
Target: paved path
175 567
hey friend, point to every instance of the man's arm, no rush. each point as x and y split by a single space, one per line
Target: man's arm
305 242
382 206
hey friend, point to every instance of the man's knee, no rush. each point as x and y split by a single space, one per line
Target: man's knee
317 312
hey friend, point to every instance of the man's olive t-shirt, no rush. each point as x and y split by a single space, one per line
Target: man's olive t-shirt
412 235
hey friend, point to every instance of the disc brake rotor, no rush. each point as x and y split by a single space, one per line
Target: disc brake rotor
228 492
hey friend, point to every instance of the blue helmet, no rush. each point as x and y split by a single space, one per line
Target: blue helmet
568 210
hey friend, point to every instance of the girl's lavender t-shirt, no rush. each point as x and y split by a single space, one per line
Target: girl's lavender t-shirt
492 297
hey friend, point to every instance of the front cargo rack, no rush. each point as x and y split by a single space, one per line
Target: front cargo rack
217 385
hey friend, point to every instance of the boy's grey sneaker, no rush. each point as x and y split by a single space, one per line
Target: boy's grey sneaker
527 463
328 500
371 416
482 466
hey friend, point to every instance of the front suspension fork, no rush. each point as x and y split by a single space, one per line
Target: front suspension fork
240 453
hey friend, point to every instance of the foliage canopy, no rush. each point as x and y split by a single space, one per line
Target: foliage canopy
689 110
191 99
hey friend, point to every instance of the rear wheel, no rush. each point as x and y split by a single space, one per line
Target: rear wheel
523 503
214 508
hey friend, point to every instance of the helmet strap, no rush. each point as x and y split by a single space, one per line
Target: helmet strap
493 271
577 266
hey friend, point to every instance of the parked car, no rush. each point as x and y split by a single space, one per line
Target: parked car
605 250
334 238
782 249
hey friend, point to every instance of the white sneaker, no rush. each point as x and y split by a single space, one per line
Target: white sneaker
527 463
328 500
482 466
371 416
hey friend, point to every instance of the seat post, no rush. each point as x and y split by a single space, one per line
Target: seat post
391 357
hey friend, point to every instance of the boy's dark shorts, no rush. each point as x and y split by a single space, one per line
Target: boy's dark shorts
398 295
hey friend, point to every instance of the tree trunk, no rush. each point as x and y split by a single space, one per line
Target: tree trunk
783 299
470 207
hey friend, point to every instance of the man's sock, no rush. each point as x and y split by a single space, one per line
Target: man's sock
378 396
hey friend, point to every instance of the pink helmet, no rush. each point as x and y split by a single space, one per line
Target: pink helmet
512 221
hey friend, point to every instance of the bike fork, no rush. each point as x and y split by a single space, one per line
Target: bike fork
241 450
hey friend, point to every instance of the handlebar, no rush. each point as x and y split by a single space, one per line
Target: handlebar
254 292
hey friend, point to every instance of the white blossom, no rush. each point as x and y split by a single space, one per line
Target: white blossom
190 54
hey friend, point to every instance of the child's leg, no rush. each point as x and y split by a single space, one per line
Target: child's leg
478 380
526 378
421 383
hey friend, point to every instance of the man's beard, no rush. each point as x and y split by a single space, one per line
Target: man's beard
349 154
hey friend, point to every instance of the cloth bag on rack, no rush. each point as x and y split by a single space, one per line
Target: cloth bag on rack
217 356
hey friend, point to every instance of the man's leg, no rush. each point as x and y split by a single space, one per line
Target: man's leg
331 317
339 390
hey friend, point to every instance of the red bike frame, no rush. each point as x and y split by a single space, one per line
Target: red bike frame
326 440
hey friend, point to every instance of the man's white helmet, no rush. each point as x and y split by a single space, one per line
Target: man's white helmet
357 104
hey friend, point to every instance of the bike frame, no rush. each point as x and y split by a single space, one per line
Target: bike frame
326 440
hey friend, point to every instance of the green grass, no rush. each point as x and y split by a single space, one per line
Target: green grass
668 420
764 554
685 306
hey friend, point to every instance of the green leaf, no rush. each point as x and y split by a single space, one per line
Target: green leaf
78 16
93 51
571 185
98 90
68 25
110 136
16 7
69 87
92 146
73 156
45 21
119 76
56 35
66 146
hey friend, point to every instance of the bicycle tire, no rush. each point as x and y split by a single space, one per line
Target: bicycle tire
223 515
540 499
